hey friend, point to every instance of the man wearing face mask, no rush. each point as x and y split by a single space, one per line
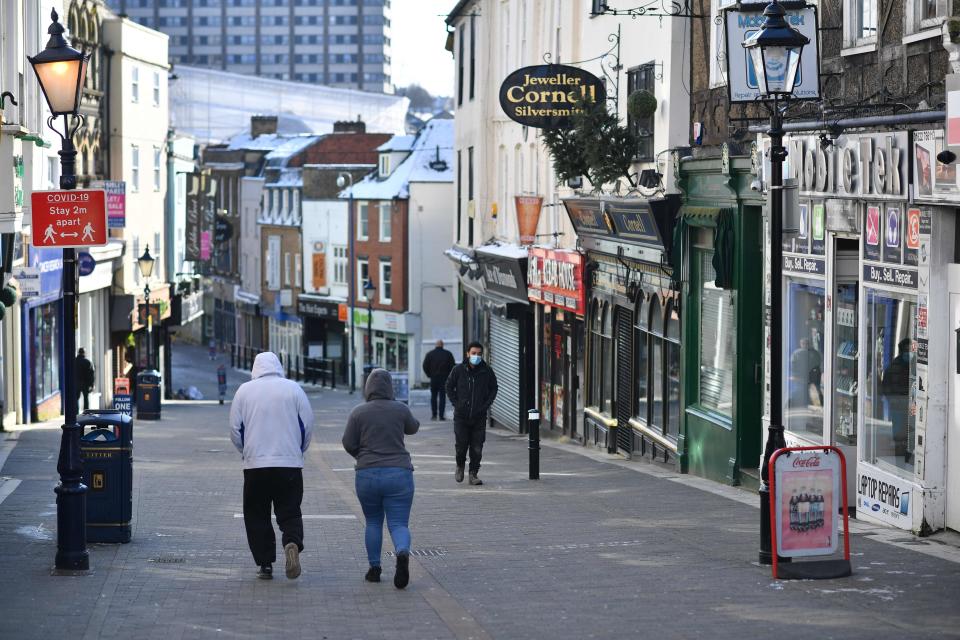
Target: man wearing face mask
471 388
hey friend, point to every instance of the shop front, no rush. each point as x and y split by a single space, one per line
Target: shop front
324 329
387 340
718 262
632 361
555 286
93 320
510 327
41 343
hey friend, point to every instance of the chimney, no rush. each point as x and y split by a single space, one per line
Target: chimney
260 125
350 126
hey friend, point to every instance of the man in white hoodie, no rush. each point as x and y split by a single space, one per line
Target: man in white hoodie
271 423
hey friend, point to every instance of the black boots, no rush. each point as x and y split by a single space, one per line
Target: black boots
402 577
458 476
373 574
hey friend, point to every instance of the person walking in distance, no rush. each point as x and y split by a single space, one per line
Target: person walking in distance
83 372
472 388
384 481
437 365
271 424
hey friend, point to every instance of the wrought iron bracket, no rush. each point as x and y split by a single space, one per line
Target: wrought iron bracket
653 9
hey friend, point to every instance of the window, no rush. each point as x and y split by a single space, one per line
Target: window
363 219
298 271
803 340
386 282
340 264
717 340
860 22
156 168
473 55
889 421
363 274
718 70
134 168
925 15
642 78
460 49
384 165
156 88
286 269
470 204
272 262
386 221
134 84
601 357
459 193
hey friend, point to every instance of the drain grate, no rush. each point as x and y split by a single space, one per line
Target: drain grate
426 552
168 560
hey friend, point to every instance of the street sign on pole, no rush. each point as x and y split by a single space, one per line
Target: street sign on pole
85 263
123 403
66 219
29 280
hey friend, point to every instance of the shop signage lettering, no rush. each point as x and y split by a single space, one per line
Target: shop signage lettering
882 497
879 490
906 278
556 278
548 96
634 220
320 309
192 227
802 264
587 216
504 276
191 307
867 165
923 351
504 279
116 201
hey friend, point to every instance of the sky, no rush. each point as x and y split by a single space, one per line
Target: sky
418 37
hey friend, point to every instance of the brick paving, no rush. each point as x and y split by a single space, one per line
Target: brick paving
596 551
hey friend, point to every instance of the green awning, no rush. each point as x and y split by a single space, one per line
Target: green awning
701 216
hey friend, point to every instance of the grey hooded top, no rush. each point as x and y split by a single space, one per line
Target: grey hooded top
375 429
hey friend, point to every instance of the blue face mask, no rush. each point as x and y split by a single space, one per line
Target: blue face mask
475 360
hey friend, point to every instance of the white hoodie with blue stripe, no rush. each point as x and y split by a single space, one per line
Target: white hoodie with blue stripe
271 421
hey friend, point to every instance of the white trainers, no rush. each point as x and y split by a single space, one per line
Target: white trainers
292 554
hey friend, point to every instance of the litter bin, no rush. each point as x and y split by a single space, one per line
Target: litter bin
148 395
107 453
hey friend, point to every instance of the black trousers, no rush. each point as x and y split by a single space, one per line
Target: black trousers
470 436
281 487
85 394
438 396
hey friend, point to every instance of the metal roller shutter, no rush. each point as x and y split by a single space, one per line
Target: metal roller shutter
624 381
505 359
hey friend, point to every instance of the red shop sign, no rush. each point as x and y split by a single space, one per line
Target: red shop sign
555 277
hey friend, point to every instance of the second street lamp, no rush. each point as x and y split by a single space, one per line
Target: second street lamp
369 292
61 71
775 52
145 265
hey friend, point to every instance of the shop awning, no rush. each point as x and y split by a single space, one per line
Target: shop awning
701 216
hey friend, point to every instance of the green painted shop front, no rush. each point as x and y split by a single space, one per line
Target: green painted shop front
718 256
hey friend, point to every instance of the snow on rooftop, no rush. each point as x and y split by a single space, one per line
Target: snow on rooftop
430 160
398 143
503 250
288 178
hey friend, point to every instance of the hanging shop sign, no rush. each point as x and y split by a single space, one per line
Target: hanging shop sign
742 78
555 277
116 201
868 166
504 276
528 217
547 96
222 230
64 219
953 112
192 227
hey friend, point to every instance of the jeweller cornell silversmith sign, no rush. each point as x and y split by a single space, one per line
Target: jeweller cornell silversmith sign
547 96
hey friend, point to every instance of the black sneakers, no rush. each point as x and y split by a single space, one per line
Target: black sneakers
458 476
265 572
373 574
402 577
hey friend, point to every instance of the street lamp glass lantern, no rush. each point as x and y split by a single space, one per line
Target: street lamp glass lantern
145 263
775 53
369 291
61 71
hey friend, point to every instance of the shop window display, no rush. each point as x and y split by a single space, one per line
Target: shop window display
803 340
601 357
718 349
889 415
47 351
656 378
845 365
641 341
657 361
672 361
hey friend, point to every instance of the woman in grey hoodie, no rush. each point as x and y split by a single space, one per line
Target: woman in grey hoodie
384 482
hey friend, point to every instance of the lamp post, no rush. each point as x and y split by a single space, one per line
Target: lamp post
369 293
61 71
775 53
145 265
345 179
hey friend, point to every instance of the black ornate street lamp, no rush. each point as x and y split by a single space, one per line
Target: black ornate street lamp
344 179
61 71
775 52
369 293
145 265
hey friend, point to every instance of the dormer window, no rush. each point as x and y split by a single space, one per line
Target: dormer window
384 165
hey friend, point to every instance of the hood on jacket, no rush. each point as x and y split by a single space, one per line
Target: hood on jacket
379 386
266 364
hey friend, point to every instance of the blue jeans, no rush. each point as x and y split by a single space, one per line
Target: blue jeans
385 491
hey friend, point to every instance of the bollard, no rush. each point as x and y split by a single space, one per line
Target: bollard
533 430
222 382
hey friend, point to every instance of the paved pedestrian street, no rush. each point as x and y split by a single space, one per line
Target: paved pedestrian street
597 548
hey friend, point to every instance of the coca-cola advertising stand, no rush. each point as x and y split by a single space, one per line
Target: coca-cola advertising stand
807 498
